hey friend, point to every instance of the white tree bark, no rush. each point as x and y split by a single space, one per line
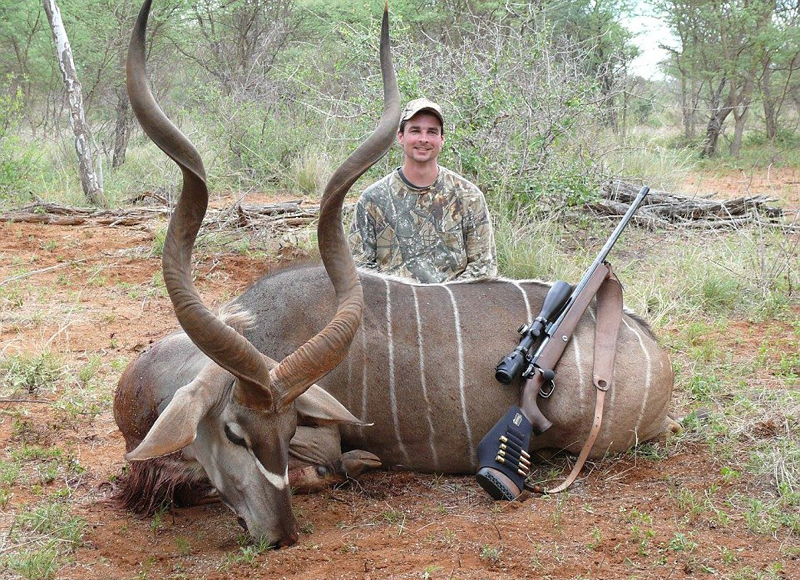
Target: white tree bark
89 182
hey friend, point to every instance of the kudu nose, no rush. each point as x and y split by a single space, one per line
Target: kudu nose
289 539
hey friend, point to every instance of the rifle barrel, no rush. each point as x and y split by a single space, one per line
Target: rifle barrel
598 260
614 236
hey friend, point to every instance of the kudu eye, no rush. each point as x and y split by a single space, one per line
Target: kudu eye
234 438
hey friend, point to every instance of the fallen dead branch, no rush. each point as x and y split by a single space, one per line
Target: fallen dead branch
52 213
286 215
663 209
37 401
278 216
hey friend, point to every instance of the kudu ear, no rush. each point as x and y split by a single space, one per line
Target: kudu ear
176 427
317 407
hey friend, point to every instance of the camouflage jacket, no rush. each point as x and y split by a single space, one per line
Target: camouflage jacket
432 234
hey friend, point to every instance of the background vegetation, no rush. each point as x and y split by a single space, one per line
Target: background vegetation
540 98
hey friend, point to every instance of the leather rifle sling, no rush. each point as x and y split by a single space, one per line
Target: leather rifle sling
609 317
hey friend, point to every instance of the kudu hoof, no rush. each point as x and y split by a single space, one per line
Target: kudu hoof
314 478
356 462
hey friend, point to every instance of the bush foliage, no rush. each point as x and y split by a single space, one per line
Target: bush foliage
276 104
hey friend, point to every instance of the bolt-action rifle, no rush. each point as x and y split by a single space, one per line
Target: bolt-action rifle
503 452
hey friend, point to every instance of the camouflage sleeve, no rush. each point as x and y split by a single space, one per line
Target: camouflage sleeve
362 237
481 252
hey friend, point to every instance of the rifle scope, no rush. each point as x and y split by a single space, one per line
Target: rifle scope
513 364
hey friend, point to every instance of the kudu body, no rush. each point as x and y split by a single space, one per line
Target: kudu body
421 366
419 369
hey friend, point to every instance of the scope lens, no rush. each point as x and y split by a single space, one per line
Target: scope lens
503 377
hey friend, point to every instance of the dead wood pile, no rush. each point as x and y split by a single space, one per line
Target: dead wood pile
277 216
659 209
663 209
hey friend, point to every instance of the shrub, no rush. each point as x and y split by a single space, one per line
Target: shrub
17 158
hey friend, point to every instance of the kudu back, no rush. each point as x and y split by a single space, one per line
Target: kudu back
417 375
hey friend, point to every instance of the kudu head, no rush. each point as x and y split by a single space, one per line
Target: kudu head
237 416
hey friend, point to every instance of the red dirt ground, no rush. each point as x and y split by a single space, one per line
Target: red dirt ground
622 520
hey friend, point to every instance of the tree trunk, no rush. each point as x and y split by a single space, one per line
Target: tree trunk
694 96
122 129
690 98
690 95
738 129
607 90
89 181
719 112
770 116
739 101
625 105
686 111
713 131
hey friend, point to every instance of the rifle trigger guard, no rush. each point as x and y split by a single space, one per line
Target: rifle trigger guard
549 384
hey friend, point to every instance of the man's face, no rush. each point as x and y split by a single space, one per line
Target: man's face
422 138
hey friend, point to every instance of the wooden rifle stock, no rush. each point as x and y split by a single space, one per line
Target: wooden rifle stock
551 349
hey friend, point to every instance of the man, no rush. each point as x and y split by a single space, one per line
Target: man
423 221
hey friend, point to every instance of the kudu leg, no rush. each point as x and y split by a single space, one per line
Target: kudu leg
316 461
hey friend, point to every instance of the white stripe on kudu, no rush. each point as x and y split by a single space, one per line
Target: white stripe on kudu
362 414
392 381
647 379
461 376
422 382
275 479
524 297
364 382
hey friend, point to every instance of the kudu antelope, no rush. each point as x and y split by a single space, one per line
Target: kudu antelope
204 405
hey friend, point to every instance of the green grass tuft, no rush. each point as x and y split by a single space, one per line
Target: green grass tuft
47 535
31 374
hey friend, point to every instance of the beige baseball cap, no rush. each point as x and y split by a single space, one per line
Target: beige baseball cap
420 105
